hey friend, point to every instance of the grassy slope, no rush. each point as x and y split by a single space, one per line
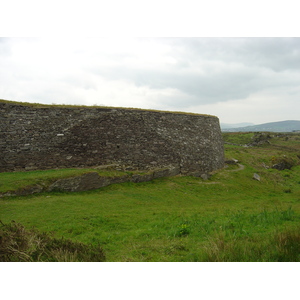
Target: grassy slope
230 217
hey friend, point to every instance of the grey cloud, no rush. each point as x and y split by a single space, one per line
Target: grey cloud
200 71
211 70
278 54
5 48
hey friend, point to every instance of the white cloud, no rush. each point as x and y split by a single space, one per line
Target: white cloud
239 80
259 108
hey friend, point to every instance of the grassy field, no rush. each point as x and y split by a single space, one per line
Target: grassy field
230 217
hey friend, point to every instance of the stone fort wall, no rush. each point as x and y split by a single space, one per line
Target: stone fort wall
36 137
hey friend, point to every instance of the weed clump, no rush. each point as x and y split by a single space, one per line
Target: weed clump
18 244
183 230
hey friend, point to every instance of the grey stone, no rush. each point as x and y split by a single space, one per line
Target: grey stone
231 161
283 165
256 177
165 173
142 177
84 182
205 176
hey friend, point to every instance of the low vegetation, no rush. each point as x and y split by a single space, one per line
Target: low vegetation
229 217
39 105
18 244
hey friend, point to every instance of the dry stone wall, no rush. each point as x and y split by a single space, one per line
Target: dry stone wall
48 137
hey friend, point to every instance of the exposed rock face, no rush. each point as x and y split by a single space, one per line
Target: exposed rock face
92 180
29 190
260 139
85 182
282 163
48 137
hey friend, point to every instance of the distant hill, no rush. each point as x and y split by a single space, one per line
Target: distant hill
282 126
227 126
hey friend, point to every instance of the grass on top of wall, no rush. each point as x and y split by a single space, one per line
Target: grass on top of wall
39 105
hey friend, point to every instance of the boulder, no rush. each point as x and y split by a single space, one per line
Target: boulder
142 177
166 172
282 166
205 176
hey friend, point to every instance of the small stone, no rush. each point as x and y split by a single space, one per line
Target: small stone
256 177
231 161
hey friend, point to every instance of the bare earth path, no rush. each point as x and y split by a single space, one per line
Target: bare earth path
240 168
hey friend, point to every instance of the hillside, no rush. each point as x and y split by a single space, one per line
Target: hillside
236 125
247 211
282 126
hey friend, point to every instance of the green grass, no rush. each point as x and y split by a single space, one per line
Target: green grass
239 138
230 217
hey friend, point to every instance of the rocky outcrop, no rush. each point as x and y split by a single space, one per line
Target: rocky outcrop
91 181
85 182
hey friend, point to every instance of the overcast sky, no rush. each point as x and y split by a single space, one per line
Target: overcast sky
237 79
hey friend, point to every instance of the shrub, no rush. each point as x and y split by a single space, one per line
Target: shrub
18 244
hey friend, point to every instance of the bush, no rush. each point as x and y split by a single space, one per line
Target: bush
18 244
